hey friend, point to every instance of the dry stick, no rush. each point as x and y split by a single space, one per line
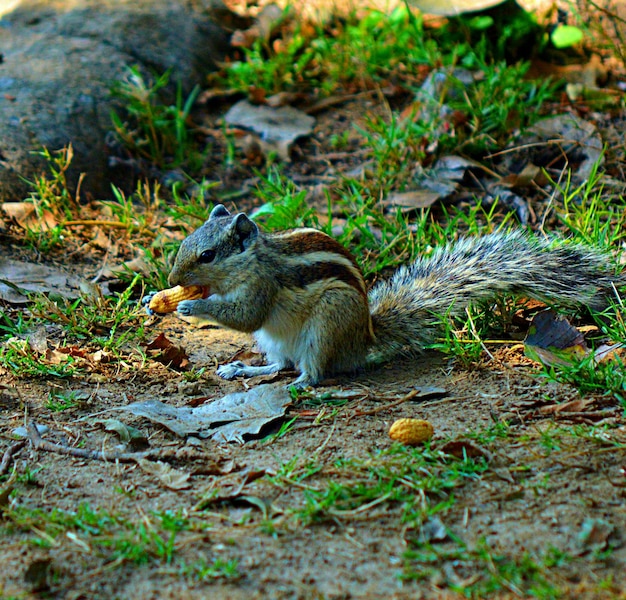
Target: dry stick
40 444
373 411
8 455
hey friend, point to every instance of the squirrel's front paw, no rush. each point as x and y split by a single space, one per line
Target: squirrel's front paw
187 308
232 370
145 301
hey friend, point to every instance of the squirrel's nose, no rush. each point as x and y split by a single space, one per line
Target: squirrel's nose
173 279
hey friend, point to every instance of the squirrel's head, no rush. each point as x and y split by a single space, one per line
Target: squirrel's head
217 254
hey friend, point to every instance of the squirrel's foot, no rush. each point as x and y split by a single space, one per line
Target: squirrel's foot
239 369
304 381
189 308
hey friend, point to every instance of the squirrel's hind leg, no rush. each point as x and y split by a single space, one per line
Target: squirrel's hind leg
274 355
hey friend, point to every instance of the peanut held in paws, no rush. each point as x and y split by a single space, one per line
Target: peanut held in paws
166 301
411 431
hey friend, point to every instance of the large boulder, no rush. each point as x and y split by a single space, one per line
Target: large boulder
59 59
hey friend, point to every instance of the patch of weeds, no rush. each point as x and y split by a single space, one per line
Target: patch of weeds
29 476
108 322
607 378
135 213
353 53
488 123
591 215
117 539
284 205
51 192
491 573
22 361
395 144
13 324
64 400
285 428
158 132
293 471
418 480
53 201
468 338
497 431
193 374
202 570
189 210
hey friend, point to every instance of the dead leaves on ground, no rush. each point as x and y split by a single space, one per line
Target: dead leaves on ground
232 418
553 341
162 350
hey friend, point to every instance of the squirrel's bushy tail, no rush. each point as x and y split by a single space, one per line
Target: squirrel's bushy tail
406 310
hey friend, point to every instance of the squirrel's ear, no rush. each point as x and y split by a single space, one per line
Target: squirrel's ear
245 229
219 210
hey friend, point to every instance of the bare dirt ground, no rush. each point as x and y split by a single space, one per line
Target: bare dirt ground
544 481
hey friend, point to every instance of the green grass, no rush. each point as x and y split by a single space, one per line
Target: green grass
115 538
158 132
108 322
523 576
391 477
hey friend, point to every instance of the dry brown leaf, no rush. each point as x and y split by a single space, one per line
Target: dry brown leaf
412 200
171 478
25 214
552 340
578 405
232 418
162 350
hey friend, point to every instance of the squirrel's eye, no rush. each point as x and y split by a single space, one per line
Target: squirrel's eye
207 256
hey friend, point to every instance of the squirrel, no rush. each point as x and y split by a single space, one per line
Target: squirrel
304 297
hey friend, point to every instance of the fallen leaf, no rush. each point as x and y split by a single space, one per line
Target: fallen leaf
38 340
162 350
523 179
228 488
432 530
552 340
411 200
276 128
18 278
127 433
574 406
444 176
449 8
269 19
594 535
25 214
573 136
607 352
136 265
171 478
228 419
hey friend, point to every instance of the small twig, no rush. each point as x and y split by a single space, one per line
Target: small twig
40 444
373 411
8 456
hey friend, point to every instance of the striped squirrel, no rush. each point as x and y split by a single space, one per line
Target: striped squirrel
304 297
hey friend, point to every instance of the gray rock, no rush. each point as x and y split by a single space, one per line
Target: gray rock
59 59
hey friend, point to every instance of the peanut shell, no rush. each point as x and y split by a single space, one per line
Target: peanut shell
166 301
411 431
